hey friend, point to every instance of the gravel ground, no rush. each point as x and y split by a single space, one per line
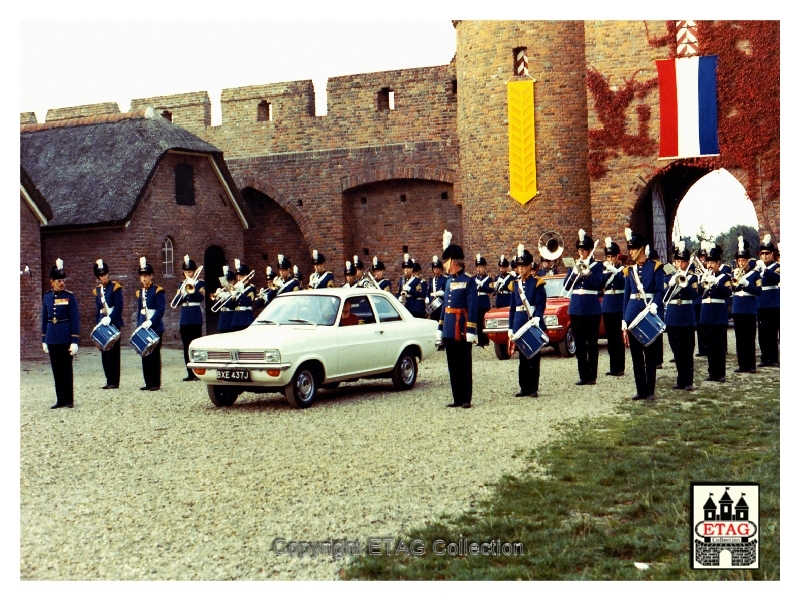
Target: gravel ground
133 485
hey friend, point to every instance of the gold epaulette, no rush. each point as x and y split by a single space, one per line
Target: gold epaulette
94 291
510 286
117 286
159 289
625 270
539 281
657 265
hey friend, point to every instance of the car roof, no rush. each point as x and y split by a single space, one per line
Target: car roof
339 292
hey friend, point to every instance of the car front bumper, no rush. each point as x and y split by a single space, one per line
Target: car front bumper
261 374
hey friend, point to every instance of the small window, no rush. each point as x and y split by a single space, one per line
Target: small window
184 184
521 61
386 312
264 111
168 253
363 201
385 99
405 249
402 197
365 251
455 87
167 115
444 195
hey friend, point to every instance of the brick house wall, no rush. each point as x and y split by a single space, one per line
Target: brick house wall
31 285
192 229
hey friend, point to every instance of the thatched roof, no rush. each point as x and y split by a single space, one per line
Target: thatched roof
34 194
94 170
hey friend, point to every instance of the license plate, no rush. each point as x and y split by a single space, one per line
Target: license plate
233 375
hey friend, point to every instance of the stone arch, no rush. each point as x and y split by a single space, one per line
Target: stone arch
261 185
367 176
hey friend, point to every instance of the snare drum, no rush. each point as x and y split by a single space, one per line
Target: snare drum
105 336
144 340
433 305
646 327
530 340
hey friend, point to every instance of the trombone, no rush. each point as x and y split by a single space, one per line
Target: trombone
583 268
188 287
681 281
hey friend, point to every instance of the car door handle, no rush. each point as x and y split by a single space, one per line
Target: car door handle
379 331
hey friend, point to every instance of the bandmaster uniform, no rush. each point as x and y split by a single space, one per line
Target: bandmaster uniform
61 328
109 306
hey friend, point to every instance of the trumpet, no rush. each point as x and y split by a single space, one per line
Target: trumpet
583 267
681 281
188 286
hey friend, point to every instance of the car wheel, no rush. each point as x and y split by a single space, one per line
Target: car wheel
567 346
501 351
223 395
404 374
302 390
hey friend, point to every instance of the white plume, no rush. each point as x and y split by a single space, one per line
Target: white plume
647 251
778 245
355 259
681 246
99 262
186 259
348 264
446 239
435 258
581 234
236 263
608 242
280 258
142 262
705 245
477 258
295 270
374 262
314 254
225 270
502 257
520 250
269 271
628 234
741 243
59 264
767 238
405 257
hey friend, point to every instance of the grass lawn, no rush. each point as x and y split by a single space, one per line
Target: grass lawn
615 491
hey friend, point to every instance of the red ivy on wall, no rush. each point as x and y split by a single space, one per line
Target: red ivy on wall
748 89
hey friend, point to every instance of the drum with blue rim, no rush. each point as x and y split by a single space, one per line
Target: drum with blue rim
530 339
105 336
646 327
144 340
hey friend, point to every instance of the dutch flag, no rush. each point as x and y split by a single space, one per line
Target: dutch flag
688 101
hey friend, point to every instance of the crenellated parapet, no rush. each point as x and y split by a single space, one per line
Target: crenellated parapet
192 110
87 110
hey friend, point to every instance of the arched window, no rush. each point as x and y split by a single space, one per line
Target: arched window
168 253
184 184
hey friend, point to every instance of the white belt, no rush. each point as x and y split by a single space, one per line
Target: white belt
244 308
192 304
713 301
483 293
149 312
226 309
742 293
770 287
680 301
638 297
610 292
520 308
581 292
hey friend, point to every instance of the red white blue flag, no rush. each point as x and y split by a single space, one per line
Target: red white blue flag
688 100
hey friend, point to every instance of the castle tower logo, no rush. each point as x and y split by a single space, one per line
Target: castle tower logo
725 525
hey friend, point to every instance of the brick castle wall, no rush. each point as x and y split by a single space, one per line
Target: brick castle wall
31 290
192 230
87 110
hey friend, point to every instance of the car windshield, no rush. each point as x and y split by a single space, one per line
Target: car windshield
553 287
294 309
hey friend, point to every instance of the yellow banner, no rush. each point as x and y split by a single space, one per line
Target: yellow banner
521 141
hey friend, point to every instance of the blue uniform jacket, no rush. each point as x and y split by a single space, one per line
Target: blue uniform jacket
536 294
714 305
651 276
770 287
436 284
415 301
584 299
226 315
316 281
156 304
680 310
288 286
191 306
746 293
243 312
613 292
113 296
460 308
485 286
503 286
386 285
60 321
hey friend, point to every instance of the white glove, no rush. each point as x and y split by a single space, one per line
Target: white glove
652 308
438 337
147 324
406 288
472 338
624 326
761 265
535 321
440 293
712 279
427 300
105 321
239 287
111 310
73 349
673 280
44 347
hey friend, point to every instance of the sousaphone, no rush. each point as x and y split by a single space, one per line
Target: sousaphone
551 245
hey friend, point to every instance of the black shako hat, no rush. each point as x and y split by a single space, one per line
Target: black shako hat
188 264
503 262
349 268
240 267
715 254
407 262
742 248
283 262
100 267
436 263
144 268
524 257
58 271
480 261
635 240
230 274
357 262
377 265
611 248
767 244
317 258
681 252
584 241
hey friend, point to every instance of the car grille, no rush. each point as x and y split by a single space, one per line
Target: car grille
496 323
218 355
250 356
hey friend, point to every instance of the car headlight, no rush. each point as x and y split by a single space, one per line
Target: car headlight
491 323
198 355
551 320
272 355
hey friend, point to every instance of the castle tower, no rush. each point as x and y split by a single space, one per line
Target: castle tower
710 509
493 221
726 507
742 509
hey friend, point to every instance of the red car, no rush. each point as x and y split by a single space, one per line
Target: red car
556 319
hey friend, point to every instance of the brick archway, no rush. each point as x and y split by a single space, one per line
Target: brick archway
367 176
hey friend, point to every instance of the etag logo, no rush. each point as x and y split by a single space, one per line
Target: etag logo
725 529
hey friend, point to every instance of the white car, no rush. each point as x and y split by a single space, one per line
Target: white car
301 342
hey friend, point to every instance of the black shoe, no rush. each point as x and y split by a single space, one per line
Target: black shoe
638 397
591 382
650 398
155 389
190 378
721 380
105 387
534 394
698 354
466 405
112 387
453 405
617 374
57 405
671 360
689 388
677 387
580 382
520 394
659 366
740 370
751 371
145 388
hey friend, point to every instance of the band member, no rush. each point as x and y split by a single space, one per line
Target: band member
746 287
546 267
769 303
503 284
679 317
361 279
61 329
321 277
225 322
244 298
192 296
298 276
457 327
108 303
611 307
436 287
585 280
535 295
266 294
416 271
702 255
485 285
151 303
644 289
285 282
409 289
714 313
378 269
349 275
659 342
